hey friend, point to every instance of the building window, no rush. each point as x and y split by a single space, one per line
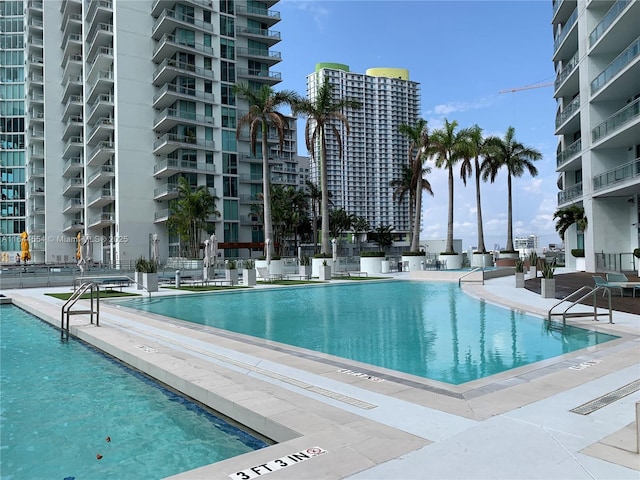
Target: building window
230 163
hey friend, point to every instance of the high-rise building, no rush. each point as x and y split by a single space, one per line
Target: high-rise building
125 97
13 205
597 88
374 151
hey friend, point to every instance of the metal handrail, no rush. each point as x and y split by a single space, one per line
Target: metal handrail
469 273
75 296
590 291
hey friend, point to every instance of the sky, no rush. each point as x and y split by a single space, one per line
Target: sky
463 54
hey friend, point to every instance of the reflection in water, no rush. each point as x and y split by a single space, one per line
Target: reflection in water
420 328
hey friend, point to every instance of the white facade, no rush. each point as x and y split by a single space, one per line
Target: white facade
597 88
374 151
124 98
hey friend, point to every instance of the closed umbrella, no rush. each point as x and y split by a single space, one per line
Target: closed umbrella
334 246
213 246
155 248
267 246
24 246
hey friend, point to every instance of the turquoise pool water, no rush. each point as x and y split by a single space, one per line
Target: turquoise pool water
61 400
433 330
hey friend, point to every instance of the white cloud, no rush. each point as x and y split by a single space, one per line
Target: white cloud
445 109
315 9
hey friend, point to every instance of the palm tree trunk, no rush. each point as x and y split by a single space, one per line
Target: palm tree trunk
266 190
411 206
415 236
509 215
325 195
449 247
481 247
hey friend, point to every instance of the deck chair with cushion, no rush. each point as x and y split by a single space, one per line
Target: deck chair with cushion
263 273
601 282
622 278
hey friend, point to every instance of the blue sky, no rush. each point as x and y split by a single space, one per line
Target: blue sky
463 53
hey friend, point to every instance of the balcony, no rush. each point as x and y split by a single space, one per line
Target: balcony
268 57
74 225
616 66
102 130
250 199
36 154
73 86
72 166
171 166
37 191
270 37
607 20
102 61
170 142
170 69
566 28
618 176
102 197
572 151
169 45
168 191
36 172
569 194
104 151
71 24
171 117
36 228
263 76
266 16
103 219
103 108
100 34
73 147
73 185
99 11
73 205
566 71
171 93
161 216
169 20
101 176
72 107
73 127
568 111
250 178
616 122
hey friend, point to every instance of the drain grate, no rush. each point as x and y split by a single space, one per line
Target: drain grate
603 401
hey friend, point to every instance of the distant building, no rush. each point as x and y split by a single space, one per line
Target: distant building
597 90
374 151
528 243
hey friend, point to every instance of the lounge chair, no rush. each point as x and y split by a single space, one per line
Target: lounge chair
622 278
601 282
263 273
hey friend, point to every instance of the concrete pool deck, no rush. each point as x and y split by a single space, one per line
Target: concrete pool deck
379 424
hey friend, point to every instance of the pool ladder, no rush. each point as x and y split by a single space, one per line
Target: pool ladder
75 296
464 279
576 301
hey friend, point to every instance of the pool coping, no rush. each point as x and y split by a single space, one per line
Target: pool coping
285 393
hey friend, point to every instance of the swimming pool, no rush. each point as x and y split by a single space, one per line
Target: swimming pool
432 330
61 400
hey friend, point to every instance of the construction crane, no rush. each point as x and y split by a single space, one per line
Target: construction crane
528 87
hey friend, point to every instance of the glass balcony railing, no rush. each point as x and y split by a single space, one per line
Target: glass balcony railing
617 175
180 90
607 20
566 28
570 193
569 67
568 153
616 121
568 111
176 164
257 32
181 115
170 38
254 72
616 66
104 192
254 10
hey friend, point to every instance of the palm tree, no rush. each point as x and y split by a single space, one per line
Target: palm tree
567 216
419 145
402 186
323 114
359 225
263 111
516 158
448 147
315 195
189 214
475 148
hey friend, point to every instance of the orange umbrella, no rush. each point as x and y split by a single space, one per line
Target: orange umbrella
24 245
78 251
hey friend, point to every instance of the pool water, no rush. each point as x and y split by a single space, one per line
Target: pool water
432 330
61 400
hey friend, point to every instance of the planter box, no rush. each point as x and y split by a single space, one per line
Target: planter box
316 263
385 266
481 260
519 279
415 262
372 265
249 277
580 264
324 273
533 272
276 267
548 288
150 281
231 276
304 270
451 262
138 278
262 264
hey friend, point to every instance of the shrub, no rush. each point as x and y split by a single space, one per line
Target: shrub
323 255
249 264
448 253
533 259
636 252
548 269
146 266
577 252
231 264
305 261
372 254
413 254
519 266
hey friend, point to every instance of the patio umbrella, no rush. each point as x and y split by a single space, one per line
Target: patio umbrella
78 252
299 255
155 248
334 246
24 246
205 257
213 248
84 252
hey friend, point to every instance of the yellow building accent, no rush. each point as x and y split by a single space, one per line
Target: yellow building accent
401 73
